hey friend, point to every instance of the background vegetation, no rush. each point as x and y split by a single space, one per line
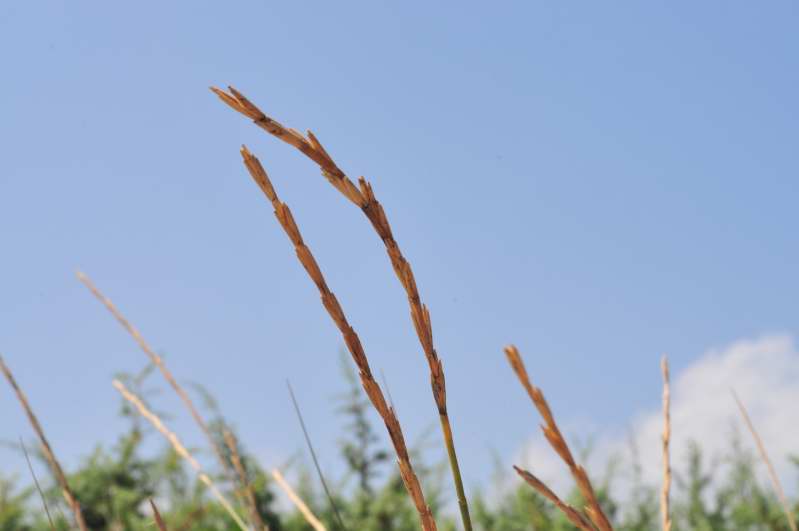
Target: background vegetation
114 485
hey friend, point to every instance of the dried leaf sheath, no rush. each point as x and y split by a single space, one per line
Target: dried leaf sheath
558 442
353 343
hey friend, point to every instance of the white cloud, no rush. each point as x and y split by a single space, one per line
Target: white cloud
765 374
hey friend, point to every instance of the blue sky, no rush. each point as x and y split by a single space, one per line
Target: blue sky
598 183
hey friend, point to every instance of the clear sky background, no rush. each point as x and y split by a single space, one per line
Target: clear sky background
599 183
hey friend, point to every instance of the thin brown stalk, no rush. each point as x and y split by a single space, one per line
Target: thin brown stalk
761 448
558 442
351 339
249 493
665 512
180 449
312 520
36 484
363 197
49 455
159 362
157 517
568 511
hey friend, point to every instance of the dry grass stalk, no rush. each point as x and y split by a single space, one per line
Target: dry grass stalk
36 484
180 449
574 516
558 442
665 512
775 480
363 197
159 362
249 493
351 339
157 517
297 501
55 467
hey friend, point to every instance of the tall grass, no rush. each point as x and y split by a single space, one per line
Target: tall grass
364 198
55 466
351 339
592 510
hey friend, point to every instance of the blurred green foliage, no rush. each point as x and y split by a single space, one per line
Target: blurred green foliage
114 485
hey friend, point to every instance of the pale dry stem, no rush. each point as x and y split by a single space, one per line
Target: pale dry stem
180 449
159 362
312 520
775 480
665 511
249 493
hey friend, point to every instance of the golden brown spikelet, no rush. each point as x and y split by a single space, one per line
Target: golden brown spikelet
568 511
558 442
351 339
363 196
